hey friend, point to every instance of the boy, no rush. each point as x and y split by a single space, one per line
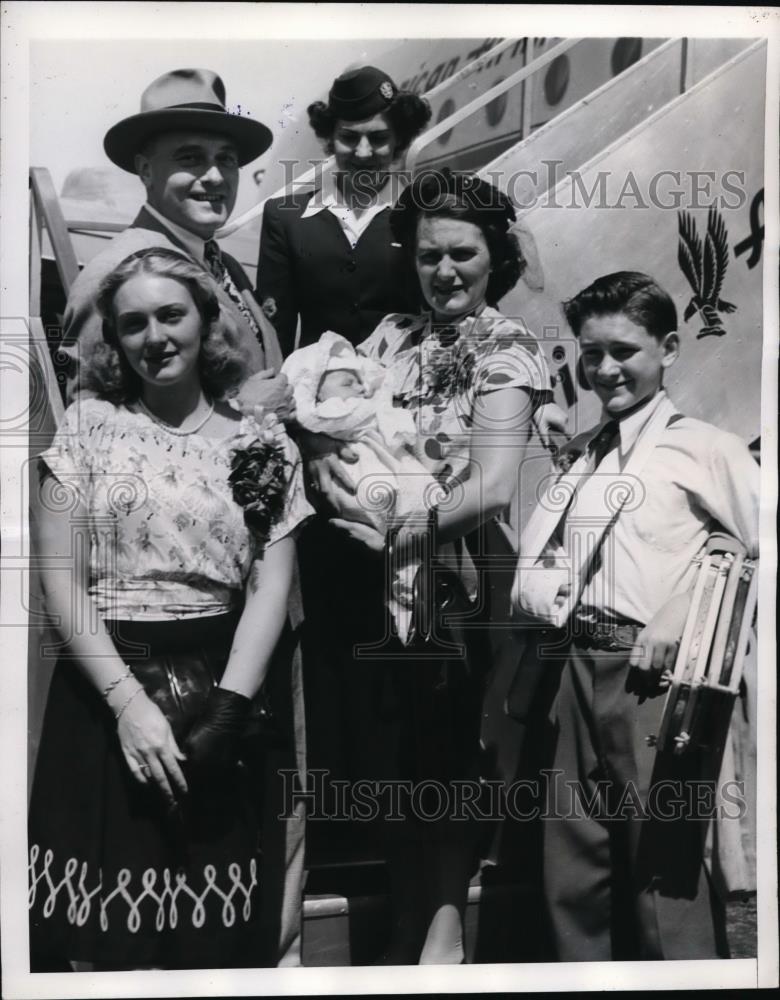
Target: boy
624 877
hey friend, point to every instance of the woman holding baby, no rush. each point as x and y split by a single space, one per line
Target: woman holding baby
470 380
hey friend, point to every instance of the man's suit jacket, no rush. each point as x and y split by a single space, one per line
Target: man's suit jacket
83 325
308 268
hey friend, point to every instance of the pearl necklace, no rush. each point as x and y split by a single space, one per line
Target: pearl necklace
169 427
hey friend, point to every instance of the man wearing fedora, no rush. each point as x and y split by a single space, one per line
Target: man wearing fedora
187 149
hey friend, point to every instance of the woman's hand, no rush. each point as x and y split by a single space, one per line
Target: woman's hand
329 477
146 740
550 419
150 749
325 459
360 532
270 391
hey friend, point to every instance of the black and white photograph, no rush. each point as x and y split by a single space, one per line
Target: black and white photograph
388 438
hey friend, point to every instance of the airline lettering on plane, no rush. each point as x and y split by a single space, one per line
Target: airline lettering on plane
425 81
482 49
754 242
428 79
705 268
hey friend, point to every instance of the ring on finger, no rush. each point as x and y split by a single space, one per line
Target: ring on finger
145 769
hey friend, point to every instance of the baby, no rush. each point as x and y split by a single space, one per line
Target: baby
346 396
341 383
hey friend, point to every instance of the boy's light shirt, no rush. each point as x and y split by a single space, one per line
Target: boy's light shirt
694 476
697 473
329 198
629 429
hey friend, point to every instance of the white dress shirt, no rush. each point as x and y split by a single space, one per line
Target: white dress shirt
330 199
696 478
666 484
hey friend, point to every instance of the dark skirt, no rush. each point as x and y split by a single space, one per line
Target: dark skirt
379 711
115 878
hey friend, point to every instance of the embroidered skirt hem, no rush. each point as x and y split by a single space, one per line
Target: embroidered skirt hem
114 877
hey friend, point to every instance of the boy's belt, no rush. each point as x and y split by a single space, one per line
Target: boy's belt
608 634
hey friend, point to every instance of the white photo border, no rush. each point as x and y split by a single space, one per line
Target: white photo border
24 22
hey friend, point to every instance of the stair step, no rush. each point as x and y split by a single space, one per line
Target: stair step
503 924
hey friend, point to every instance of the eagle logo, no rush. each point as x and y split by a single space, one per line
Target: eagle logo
705 269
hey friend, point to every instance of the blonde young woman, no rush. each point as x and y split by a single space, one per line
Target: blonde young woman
145 813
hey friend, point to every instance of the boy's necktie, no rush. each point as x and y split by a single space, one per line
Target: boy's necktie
213 258
603 442
536 587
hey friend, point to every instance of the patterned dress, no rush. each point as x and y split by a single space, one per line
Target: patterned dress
442 373
114 878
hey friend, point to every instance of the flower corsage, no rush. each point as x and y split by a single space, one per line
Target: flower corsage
259 474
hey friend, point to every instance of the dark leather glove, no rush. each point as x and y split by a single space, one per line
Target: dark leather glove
213 742
262 727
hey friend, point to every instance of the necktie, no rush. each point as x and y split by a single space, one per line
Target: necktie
598 505
597 449
603 442
565 558
213 258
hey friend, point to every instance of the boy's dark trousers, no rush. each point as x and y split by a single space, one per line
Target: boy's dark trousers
619 886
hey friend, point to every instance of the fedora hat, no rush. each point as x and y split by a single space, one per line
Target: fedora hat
184 99
360 93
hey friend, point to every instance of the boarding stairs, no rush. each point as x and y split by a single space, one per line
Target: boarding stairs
680 98
686 105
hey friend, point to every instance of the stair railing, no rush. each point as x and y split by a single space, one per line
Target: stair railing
433 133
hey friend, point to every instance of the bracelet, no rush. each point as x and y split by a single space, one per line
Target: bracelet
138 690
116 682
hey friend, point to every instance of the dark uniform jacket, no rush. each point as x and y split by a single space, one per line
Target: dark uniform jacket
307 267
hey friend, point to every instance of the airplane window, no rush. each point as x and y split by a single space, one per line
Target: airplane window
496 110
444 112
556 80
625 53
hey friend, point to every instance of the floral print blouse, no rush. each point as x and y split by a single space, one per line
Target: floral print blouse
441 373
167 539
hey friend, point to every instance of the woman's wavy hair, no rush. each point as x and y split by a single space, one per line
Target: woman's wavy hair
222 364
450 195
407 114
